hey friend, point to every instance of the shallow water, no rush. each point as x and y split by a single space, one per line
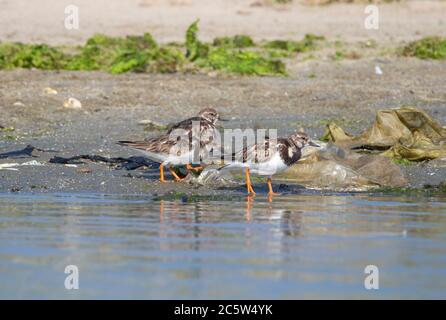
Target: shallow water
299 246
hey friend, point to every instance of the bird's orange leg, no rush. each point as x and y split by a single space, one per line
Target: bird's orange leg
177 178
270 188
162 174
190 167
248 182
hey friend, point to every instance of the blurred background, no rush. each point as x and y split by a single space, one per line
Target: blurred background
166 20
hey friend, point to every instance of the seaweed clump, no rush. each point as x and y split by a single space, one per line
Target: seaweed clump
426 48
39 56
226 55
238 41
142 54
309 42
195 49
132 53
244 62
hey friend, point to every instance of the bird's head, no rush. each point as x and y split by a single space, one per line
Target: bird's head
300 139
211 115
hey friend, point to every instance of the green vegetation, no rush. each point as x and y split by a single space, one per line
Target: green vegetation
6 129
132 53
426 48
10 137
41 56
7 134
238 54
195 48
308 43
403 162
244 62
338 55
227 56
238 41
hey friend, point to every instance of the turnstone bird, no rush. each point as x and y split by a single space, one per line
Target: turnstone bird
171 150
269 157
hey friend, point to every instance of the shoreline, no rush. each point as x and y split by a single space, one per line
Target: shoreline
43 22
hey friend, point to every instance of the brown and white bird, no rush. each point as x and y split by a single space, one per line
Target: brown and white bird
269 157
179 146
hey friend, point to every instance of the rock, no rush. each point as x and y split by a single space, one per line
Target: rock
49 91
18 104
84 170
378 70
72 103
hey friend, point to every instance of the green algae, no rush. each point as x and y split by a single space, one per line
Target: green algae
115 54
195 49
40 56
309 42
238 54
426 48
403 162
6 129
244 62
237 41
226 55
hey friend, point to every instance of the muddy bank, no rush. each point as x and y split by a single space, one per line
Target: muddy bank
316 93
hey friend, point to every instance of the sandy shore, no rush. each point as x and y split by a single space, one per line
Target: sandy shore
43 21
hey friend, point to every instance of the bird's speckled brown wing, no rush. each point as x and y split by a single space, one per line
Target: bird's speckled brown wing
264 151
256 153
160 144
206 132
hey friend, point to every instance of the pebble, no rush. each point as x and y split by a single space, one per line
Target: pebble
72 103
83 170
18 104
378 70
49 91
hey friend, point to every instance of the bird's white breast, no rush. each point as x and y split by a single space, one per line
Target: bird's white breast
270 167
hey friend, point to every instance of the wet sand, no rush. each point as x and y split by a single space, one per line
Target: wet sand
317 90
348 91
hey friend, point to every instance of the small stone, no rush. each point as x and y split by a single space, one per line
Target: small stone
83 170
72 103
378 71
49 91
212 74
18 104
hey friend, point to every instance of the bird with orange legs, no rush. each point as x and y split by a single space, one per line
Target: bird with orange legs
170 151
268 158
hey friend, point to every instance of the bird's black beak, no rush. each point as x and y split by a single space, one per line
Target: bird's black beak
222 119
311 143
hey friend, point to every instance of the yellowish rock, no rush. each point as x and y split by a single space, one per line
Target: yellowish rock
49 91
72 103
